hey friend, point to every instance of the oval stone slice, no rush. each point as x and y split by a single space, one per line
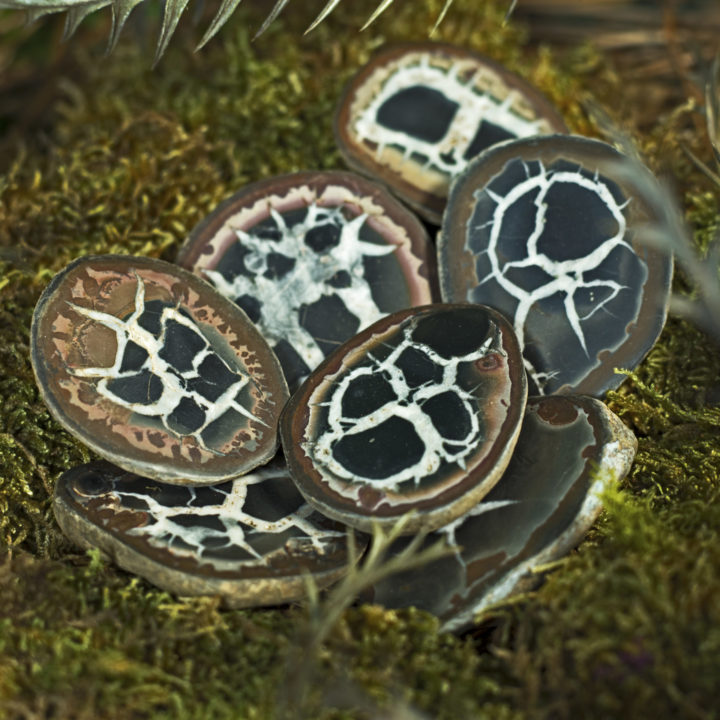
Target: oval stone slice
249 540
416 114
420 412
569 450
542 230
154 370
313 258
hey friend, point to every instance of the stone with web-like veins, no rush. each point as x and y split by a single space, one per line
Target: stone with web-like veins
419 412
313 258
156 371
569 451
251 541
544 230
416 115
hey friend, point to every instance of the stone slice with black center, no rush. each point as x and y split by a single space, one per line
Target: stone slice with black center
545 230
156 371
419 412
313 258
570 449
416 114
251 541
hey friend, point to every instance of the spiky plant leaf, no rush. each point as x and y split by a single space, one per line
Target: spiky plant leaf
171 16
78 9
227 8
121 10
77 14
270 19
381 8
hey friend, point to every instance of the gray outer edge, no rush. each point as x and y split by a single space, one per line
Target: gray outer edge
237 593
615 461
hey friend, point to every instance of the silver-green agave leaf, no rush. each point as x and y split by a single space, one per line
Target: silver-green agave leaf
77 10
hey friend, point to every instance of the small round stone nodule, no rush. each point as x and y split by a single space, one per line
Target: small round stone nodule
543 229
154 370
252 541
570 449
313 258
420 412
416 114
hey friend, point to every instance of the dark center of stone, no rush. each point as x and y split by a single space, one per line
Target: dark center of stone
448 415
365 394
380 452
418 111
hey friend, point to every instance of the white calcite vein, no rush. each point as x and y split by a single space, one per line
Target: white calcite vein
173 392
474 107
567 277
408 405
165 531
282 298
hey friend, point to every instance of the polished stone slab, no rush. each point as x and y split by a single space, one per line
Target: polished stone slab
156 371
420 412
569 450
313 258
544 230
250 541
416 114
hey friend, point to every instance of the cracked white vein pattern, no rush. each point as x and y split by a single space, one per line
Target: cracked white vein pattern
408 405
475 106
238 528
282 298
566 277
171 379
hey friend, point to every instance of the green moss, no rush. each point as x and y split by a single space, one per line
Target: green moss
626 627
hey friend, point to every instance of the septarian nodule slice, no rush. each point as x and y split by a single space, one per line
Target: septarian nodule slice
419 412
314 258
415 115
156 371
569 450
542 230
249 540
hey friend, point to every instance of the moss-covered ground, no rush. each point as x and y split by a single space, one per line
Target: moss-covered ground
128 159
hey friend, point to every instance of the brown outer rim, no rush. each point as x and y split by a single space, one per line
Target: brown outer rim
235 592
162 471
461 271
294 419
607 428
234 589
420 243
427 205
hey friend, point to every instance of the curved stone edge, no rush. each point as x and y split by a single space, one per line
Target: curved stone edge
146 469
615 462
233 593
354 159
414 521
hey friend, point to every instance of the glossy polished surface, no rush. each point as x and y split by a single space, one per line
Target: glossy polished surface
419 412
156 371
544 231
313 258
250 540
416 114
569 450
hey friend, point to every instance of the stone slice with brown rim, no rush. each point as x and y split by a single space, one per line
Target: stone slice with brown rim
420 412
416 114
544 230
154 370
250 541
569 450
313 258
